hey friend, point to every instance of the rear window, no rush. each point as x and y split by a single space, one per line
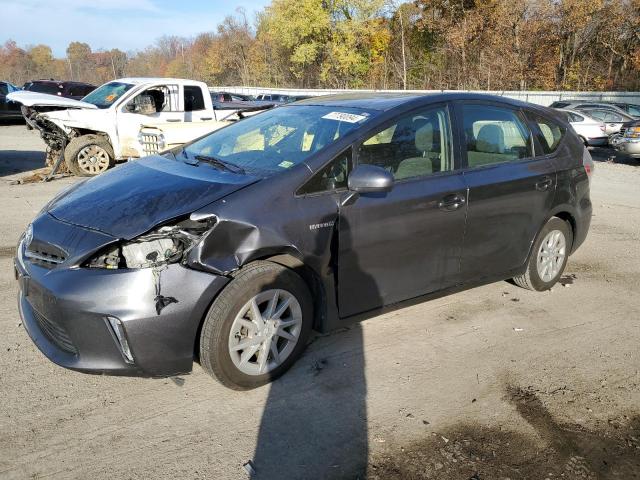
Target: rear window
549 133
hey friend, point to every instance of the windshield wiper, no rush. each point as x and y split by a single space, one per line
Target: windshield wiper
216 162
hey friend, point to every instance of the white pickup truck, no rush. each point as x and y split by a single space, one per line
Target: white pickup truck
122 119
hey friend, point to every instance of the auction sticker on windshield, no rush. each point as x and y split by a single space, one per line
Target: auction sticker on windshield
345 117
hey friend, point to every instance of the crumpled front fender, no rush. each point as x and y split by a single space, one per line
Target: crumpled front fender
230 244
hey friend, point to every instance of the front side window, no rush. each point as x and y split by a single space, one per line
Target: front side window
104 96
549 133
417 144
276 140
193 99
158 99
494 135
331 177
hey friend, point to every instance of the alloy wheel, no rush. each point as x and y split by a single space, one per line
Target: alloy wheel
265 332
551 255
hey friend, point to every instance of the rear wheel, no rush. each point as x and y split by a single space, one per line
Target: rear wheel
88 155
548 257
257 326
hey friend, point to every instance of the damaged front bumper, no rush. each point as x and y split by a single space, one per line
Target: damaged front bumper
106 321
630 146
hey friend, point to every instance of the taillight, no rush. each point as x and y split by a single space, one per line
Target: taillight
587 162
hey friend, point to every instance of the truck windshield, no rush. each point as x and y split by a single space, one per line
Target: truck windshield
104 96
276 140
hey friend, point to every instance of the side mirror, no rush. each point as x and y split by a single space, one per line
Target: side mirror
370 179
131 107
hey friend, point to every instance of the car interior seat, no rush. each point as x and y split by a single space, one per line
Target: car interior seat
422 163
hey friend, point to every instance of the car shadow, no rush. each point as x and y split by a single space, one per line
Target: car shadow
314 424
20 161
610 155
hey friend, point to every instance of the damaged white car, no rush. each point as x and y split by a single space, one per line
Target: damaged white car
125 118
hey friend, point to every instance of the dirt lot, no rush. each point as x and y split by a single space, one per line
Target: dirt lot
492 383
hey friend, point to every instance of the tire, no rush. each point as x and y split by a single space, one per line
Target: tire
88 155
254 281
539 279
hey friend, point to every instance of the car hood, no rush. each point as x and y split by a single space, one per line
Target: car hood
133 198
35 99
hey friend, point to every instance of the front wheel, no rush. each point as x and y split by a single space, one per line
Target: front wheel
88 155
257 326
548 257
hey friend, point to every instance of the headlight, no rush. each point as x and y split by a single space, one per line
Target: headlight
165 245
632 132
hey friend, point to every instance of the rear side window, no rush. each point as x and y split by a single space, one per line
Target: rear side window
494 135
549 133
559 105
3 88
331 177
633 110
193 99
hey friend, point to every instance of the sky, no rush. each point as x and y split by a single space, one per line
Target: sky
104 24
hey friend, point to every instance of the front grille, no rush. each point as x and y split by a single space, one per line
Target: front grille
55 333
151 142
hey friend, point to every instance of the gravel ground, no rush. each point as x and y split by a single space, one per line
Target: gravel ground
492 383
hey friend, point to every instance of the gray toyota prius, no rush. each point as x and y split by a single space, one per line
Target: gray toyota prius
231 249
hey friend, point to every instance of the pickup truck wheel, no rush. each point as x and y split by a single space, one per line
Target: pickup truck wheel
88 155
257 326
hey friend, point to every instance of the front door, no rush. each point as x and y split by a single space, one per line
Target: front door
156 105
406 242
510 190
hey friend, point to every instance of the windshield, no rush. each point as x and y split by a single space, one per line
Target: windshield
45 87
278 139
104 96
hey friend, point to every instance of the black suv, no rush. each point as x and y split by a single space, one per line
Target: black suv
75 90
305 216
8 109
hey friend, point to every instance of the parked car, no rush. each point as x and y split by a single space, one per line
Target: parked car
630 109
75 90
228 101
305 216
590 130
613 121
8 108
106 125
272 98
296 98
589 105
231 97
628 140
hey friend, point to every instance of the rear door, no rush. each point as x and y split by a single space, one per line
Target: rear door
510 190
406 242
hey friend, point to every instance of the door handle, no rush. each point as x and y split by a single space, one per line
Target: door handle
452 202
173 120
205 118
544 184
